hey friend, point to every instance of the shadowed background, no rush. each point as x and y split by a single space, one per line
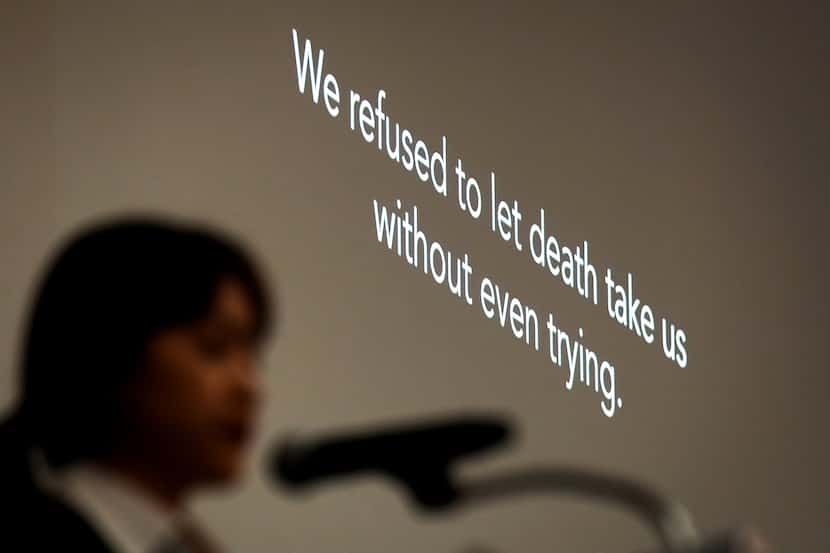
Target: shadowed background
687 143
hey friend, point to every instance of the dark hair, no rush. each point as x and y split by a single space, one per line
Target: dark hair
109 289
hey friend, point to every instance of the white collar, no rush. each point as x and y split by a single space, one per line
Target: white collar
127 518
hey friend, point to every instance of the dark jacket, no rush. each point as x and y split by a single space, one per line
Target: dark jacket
32 519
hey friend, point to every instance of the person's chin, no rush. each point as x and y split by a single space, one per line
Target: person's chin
226 468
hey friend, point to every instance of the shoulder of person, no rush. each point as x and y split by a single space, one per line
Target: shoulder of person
39 522
32 519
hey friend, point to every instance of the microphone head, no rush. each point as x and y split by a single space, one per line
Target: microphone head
415 455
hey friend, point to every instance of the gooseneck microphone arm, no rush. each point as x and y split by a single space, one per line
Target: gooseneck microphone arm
419 457
670 520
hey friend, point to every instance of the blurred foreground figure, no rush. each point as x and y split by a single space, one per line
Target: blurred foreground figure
138 385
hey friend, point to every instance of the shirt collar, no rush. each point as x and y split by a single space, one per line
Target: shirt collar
126 516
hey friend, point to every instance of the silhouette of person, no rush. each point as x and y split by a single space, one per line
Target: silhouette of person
139 384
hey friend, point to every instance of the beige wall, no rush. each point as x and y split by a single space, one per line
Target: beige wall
687 143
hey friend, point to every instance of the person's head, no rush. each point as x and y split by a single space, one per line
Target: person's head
142 346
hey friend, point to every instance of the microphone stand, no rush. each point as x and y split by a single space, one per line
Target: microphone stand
670 520
432 487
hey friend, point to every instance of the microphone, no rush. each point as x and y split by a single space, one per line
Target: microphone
417 455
